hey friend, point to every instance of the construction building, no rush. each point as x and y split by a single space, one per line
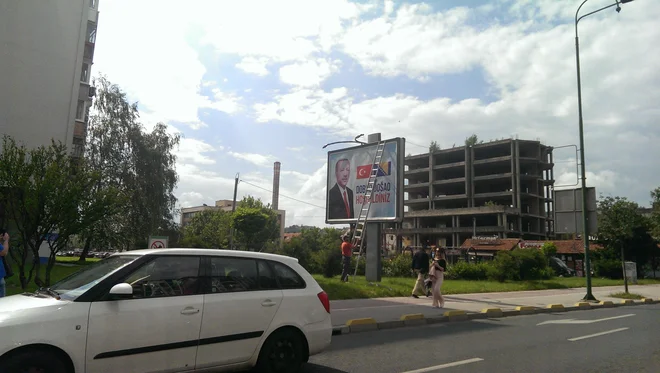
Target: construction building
45 70
497 189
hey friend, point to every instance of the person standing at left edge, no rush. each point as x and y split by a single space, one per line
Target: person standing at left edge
4 250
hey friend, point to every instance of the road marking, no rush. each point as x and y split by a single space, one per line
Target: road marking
575 321
597 334
448 365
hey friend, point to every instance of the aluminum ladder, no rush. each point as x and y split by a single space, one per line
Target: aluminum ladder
361 224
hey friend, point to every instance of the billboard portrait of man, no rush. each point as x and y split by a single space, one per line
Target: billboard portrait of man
340 196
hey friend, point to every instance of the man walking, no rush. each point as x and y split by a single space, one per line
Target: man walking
4 250
420 265
346 253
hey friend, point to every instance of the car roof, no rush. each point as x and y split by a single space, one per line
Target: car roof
185 251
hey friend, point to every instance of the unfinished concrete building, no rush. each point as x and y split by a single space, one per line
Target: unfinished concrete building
500 188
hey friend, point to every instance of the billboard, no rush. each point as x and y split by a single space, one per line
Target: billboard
348 174
568 211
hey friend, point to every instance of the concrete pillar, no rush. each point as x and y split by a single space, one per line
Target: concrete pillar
431 179
373 265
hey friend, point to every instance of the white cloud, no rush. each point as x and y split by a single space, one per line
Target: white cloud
226 102
256 66
256 159
193 151
295 149
309 73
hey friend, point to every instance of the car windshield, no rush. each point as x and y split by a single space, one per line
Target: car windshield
73 286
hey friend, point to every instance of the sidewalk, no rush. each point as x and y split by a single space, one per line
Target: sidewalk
391 309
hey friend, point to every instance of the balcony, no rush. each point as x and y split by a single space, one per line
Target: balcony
418 200
80 129
446 197
502 176
89 51
417 171
456 180
416 187
449 165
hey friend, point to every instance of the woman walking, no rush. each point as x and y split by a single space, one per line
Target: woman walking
436 273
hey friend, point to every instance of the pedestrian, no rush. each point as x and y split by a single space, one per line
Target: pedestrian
4 250
437 275
346 254
420 266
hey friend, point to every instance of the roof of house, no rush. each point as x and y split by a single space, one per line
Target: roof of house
289 236
567 246
495 244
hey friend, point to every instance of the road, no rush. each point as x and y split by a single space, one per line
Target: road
622 339
388 309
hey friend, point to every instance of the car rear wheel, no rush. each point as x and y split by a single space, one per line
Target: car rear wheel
33 361
281 353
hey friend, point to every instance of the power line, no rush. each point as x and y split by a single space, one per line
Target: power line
282 195
412 143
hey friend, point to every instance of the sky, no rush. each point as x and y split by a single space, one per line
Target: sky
247 83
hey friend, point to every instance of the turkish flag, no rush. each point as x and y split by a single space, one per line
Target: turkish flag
363 172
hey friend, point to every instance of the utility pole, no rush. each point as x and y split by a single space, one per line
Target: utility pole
623 265
233 208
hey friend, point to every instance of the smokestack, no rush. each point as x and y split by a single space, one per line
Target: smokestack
276 186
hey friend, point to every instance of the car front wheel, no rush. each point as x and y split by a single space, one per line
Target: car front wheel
33 361
281 353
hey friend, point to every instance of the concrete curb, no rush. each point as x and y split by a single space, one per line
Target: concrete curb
417 319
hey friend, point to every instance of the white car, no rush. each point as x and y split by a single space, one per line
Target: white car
169 310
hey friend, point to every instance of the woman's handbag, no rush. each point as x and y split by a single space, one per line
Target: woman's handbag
8 271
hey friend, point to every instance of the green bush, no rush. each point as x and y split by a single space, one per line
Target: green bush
398 266
468 271
325 262
520 265
610 268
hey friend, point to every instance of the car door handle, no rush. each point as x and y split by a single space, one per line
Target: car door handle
268 303
189 311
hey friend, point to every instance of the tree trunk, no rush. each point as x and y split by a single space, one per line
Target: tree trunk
88 244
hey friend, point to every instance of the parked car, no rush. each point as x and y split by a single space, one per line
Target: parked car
169 310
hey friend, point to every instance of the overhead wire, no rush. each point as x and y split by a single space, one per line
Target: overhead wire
282 195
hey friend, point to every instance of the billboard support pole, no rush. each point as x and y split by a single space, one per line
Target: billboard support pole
374 242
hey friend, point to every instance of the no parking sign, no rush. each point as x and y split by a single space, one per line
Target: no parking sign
158 242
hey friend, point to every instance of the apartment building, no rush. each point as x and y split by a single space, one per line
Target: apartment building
497 189
46 56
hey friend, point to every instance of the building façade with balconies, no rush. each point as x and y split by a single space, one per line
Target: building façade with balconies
501 188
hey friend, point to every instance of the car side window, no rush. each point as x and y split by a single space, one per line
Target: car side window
230 275
166 276
267 278
287 277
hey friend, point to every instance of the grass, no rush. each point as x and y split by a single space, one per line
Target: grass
623 295
389 286
402 286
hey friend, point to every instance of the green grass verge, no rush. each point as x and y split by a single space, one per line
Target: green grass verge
402 286
623 295
359 288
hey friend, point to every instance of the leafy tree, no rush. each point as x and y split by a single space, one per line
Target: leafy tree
621 226
255 224
655 215
49 198
208 229
434 147
139 163
473 140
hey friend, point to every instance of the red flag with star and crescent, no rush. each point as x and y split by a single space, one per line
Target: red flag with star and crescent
363 171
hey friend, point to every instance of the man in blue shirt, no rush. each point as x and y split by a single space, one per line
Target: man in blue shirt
4 250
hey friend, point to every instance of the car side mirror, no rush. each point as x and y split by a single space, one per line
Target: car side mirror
121 291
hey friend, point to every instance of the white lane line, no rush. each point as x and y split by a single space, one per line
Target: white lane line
448 365
574 321
597 334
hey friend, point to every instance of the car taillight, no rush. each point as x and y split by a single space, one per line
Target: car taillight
323 297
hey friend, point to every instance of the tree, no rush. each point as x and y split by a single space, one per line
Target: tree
472 140
434 147
255 224
622 229
49 199
208 229
140 164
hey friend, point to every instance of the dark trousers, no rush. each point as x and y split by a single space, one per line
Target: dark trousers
346 267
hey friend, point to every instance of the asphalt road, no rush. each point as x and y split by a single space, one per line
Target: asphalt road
622 339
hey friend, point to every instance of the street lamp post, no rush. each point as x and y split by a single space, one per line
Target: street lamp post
585 228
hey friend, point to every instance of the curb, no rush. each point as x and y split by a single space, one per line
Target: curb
417 319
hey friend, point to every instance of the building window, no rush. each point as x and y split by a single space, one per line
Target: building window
91 32
80 110
92 4
84 74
